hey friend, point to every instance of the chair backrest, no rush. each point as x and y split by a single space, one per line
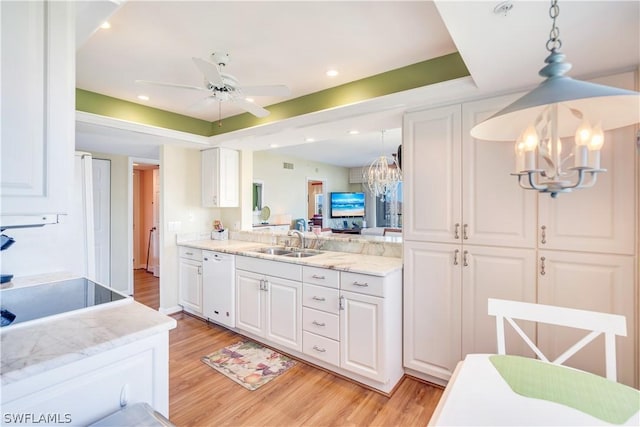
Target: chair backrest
598 323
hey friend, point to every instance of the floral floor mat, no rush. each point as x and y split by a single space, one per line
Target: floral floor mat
249 364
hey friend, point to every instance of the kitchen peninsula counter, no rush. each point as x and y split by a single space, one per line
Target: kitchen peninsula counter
342 261
47 344
83 365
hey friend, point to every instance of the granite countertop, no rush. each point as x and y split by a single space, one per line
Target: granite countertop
44 345
343 261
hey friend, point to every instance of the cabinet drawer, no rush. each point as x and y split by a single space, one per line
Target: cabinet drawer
321 298
321 348
321 323
362 283
190 253
321 276
271 268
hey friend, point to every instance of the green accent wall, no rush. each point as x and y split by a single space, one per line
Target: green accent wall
91 102
447 67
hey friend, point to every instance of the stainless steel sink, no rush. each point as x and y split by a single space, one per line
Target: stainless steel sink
300 254
289 252
274 251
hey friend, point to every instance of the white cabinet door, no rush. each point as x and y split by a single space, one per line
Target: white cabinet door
432 295
495 210
283 310
190 276
491 272
431 165
590 282
84 391
362 335
220 178
249 307
38 107
229 178
601 218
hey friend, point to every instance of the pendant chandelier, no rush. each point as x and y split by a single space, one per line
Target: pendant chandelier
381 177
560 107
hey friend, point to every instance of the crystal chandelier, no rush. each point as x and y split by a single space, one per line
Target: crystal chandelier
380 177
560 107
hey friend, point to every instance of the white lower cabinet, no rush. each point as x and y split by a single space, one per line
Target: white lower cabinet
595 282
269 306
445 302
362 326
354 321
85 391
190 279
347 322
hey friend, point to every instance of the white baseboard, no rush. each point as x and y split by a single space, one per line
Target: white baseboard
170 310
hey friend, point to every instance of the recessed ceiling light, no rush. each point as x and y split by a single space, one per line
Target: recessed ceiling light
274 145
309 139
249 99
105 25
143 97
332 73
354 132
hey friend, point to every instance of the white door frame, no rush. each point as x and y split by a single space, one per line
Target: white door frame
131 161
324 197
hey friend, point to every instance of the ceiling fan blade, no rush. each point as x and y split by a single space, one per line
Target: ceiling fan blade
179 86
210 71
202 104
252 108
267 90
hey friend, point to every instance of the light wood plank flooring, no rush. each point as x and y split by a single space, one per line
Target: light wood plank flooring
304 396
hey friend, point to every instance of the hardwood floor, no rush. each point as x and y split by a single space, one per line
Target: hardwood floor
305 395
145 288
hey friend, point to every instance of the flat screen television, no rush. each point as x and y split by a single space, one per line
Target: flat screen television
347 204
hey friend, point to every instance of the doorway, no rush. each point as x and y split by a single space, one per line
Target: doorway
315 201
144 218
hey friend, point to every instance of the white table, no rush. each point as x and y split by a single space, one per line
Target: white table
478 395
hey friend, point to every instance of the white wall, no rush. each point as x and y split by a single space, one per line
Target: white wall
285 190
180 206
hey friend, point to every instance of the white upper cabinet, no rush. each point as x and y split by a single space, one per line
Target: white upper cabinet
38 107
495 210
458 189
601 218
431 166
220 178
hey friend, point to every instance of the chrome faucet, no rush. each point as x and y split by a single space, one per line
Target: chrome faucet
300 235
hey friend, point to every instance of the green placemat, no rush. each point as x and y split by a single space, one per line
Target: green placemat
607 400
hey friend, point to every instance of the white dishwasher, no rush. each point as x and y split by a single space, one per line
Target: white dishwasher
218 287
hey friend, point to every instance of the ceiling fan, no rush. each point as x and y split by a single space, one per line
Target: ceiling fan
224 87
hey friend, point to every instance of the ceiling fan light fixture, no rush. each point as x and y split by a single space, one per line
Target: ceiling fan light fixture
332 73
143 97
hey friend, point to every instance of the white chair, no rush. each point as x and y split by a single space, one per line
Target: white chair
598 323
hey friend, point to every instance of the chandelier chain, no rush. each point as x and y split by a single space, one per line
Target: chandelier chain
554 42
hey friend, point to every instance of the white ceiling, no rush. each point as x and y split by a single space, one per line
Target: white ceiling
294 43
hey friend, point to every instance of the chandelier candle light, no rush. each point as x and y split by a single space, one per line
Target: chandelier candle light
560 107
381 178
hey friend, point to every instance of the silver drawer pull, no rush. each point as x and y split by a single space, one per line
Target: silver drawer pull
364 285
315 276
315 298
189 253
318 323
321 350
